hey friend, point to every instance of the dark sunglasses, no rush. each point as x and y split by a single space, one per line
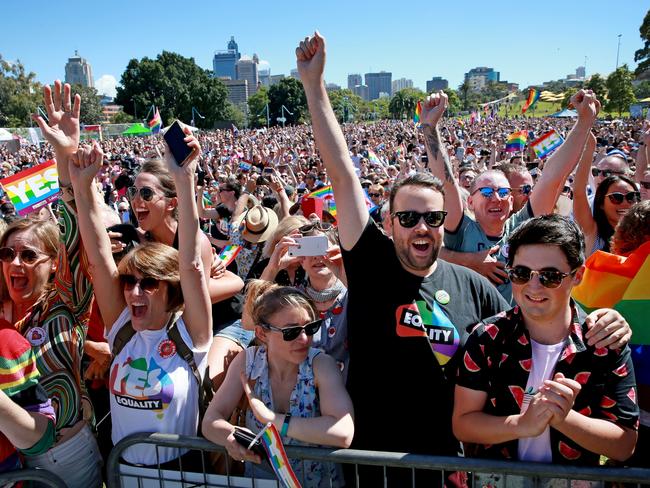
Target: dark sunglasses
488 192
606 172
566 189
147 283
549 278
146 193
28 256
375 195
645 184
122 210
524 190
410 218
321 226
617 197
225 189
291 333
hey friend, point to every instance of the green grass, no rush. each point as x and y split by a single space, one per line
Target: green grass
544 109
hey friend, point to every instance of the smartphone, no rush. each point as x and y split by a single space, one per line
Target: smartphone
268 170
175 139
309 246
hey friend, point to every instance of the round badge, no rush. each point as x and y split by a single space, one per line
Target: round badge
166 349
442 297
331 331
505 248
36 336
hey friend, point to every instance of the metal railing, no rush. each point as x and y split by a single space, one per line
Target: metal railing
534 473
43 476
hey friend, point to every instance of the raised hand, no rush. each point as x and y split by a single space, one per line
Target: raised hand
586 104
433 108
189 165
62 128
310 56
84 165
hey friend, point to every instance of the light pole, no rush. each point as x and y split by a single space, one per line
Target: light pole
196 112
618 49
283 119
268 118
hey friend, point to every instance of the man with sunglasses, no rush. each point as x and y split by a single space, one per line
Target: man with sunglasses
613 164
491 196
521 184
529 387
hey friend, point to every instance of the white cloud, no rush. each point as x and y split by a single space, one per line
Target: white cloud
106 85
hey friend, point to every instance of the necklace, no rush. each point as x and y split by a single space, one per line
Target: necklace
325 295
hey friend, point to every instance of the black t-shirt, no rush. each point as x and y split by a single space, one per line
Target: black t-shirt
402 397
221 228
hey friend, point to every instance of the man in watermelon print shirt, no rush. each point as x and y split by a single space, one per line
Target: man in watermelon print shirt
529 386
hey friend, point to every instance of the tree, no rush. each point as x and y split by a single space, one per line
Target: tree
620 90
378 109
290 93
597 84
174 84
454 105
91 109
642 56
235 115
642 90
569 92
20 94
346 105
404 102
257 107
121 117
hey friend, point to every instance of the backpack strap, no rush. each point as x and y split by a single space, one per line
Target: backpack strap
122 338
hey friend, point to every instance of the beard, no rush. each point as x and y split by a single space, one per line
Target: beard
409 261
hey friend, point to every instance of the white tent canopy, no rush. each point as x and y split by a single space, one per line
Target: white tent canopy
5 135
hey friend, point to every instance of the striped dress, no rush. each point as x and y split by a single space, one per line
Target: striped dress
56 326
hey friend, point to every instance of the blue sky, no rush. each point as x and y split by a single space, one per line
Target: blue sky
417 39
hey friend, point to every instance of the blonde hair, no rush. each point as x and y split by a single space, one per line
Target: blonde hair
285 227
264 298
159 261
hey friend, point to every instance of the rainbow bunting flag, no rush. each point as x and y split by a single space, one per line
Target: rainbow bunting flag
546 144
229 253
155 124
278 457
418 113
516 141
621 283
533 96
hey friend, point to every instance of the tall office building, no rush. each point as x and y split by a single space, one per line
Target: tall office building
361 91
275 79
437 83
354 80
78 71
224 62
237 92
294 74
400 84
247 70
481 76
379 83
265 77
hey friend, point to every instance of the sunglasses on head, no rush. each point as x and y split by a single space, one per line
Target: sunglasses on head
488 192
549 278
617 197
28 256
524 190
371 195
410 218
321 226
606 173
146 193
147 283
292 332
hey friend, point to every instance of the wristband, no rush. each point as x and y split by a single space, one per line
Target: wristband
285 425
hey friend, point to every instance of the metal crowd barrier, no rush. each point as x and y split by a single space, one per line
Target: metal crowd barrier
41 476
481 472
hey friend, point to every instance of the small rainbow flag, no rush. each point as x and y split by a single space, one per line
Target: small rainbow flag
327 194
516 141
155 124
621 283
418 113
546 144
373 158
278 457
229 253
533 96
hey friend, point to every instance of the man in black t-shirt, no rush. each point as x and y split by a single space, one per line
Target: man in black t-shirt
408 313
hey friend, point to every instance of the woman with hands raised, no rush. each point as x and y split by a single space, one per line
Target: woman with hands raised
153 290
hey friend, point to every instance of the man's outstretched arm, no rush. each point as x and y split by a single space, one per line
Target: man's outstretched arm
352 213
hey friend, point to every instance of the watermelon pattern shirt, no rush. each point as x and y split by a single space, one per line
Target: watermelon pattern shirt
497 360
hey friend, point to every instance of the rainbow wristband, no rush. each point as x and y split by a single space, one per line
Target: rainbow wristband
285 425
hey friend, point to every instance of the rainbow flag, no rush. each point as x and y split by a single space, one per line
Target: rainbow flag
155 124
516 141
533 96
32 188
229 253
327 194
278 457
546 144
622 283
373 158
418 113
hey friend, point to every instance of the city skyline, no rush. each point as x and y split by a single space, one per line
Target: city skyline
546 49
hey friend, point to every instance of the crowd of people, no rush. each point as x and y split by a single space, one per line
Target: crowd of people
438 319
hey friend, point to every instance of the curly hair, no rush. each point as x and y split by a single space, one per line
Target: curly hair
632 230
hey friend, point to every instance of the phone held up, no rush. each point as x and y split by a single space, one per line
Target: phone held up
309 246
175 139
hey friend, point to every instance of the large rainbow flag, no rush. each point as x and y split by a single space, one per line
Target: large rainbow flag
278 457
516 141
155 124
32 188
622 283
533 96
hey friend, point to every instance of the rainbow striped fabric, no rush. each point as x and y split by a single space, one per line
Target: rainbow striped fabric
546 144
418 113
622 283
155 124
229 253
373 158
516 141
533 96
327 194
32 188
278 457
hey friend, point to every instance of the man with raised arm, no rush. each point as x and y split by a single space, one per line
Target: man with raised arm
408 313
490 193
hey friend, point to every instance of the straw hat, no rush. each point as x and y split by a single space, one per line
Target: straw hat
257 223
